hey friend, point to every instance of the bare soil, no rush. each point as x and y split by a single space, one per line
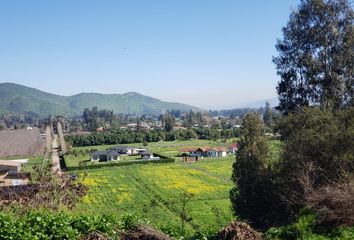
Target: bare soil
21 142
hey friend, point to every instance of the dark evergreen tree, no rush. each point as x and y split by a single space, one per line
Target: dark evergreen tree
168 122
316 56
251 197
268 115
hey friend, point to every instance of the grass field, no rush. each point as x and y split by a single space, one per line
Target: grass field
32 161
154 191
168 149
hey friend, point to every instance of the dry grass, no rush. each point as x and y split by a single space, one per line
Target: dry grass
21 143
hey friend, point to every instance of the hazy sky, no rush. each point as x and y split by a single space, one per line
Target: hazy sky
213 53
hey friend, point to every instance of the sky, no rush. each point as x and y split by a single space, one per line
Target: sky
207 53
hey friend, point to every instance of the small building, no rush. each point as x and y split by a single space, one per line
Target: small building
132 126
12 166
150 157
128 150
144 125
102 156
10 172
216 152
146 155
206 152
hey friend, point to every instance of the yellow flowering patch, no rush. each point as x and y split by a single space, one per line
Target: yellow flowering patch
93 182
86 199
185 179
90 182
124 197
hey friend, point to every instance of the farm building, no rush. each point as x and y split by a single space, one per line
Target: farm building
10 174
128 150
101 156
206 152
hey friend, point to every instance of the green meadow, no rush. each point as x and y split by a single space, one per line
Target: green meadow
155 191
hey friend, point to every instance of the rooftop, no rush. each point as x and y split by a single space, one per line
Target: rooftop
16 162
107 152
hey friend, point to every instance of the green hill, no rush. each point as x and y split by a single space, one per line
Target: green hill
18 99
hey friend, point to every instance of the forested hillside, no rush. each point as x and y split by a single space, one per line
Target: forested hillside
19 99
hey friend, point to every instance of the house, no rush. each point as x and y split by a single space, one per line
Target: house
132 126
233 148
146 155
216 152
151 157
102 156
206 152
10 173
144 125
128 150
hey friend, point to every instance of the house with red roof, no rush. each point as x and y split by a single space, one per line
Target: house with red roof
206 152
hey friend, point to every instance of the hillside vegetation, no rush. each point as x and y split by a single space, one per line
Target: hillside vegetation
19 99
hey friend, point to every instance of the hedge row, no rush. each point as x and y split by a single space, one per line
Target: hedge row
163 159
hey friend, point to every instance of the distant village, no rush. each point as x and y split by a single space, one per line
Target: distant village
99 120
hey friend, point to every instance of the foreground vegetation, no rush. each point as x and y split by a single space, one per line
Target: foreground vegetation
55 225
303 190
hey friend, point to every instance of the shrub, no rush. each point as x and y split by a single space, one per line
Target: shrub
50 225
305 228
317 161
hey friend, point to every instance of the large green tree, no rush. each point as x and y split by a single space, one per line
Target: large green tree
252 198
316 56
317 155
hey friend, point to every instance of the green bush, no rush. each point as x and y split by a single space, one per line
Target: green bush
305 229
49 225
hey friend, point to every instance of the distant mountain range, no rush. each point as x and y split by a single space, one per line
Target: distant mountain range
19 99
254 105
261 103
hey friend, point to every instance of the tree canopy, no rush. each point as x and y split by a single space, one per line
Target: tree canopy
316 56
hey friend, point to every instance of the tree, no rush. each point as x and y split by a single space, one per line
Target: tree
251 197
316 157
268 115
168 121
316 56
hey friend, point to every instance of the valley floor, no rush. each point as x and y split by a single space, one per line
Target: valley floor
155 191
